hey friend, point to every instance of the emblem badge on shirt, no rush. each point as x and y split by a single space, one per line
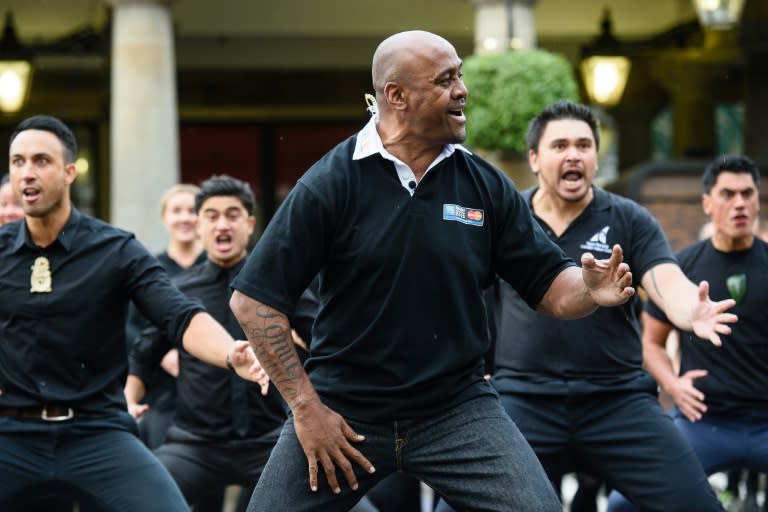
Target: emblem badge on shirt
471 216
41 276
737 286
598 242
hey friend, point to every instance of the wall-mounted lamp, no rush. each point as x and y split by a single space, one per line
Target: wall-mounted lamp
719 14
603 69
15 69
605 78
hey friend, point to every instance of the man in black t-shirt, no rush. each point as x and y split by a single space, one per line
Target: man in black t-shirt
224 426
405 228
576 388
721 393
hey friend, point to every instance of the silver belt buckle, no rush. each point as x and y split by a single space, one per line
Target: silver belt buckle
45 417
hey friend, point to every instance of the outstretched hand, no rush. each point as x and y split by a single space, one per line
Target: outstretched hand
609 281
709 318
247 366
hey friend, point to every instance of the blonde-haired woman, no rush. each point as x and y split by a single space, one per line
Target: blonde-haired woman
177 210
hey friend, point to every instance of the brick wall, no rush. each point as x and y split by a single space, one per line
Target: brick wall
681 222
672 193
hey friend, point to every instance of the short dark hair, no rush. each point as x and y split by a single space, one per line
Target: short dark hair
729 163
223 185
563 109
55 126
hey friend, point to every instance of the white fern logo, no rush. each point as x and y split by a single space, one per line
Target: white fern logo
598 242
600 236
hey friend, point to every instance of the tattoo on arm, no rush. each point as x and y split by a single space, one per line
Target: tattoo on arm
655 284
270 337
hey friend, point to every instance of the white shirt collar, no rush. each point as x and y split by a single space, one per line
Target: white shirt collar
369 143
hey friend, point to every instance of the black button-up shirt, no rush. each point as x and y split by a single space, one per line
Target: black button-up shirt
212 403
67 346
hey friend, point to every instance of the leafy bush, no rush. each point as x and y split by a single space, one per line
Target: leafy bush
507 89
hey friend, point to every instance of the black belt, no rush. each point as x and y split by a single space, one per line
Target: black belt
50 412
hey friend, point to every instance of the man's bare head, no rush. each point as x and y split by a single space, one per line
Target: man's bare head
393 60
420 94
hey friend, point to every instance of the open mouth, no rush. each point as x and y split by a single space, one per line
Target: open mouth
573 176
223 242
30 194
457 113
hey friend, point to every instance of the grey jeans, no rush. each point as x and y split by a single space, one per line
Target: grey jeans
472 455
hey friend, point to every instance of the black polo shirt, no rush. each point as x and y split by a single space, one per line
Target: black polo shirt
212 402
402 329
67 346
601 352
306 311
737 381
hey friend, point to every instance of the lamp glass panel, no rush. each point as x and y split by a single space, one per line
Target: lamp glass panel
719 14
605 78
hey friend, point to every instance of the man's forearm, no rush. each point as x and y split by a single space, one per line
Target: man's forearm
269 334
207 340
655 357
134 390
673 292
568 297
659 365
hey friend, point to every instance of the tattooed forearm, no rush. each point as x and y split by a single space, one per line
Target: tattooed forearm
655 283
269 333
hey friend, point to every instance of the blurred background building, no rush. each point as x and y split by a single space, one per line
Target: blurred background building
160 91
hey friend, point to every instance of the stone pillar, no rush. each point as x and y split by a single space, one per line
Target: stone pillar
144 117
502 24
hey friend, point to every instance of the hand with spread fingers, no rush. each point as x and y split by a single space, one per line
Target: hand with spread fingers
327 442
709 319
609 281
689 400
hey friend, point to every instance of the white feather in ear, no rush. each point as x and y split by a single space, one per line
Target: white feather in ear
370 100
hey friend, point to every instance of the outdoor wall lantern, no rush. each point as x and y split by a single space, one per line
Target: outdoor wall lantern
605 77
719 14
15 69
604 69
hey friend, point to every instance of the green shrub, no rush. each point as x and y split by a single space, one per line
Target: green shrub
507 89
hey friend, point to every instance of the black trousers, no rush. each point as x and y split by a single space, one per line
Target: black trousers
625 438
101 461
201 468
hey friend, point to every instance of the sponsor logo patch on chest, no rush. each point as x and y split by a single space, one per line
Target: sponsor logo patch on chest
598 242
471 216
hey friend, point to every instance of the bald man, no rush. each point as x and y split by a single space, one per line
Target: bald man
405 228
